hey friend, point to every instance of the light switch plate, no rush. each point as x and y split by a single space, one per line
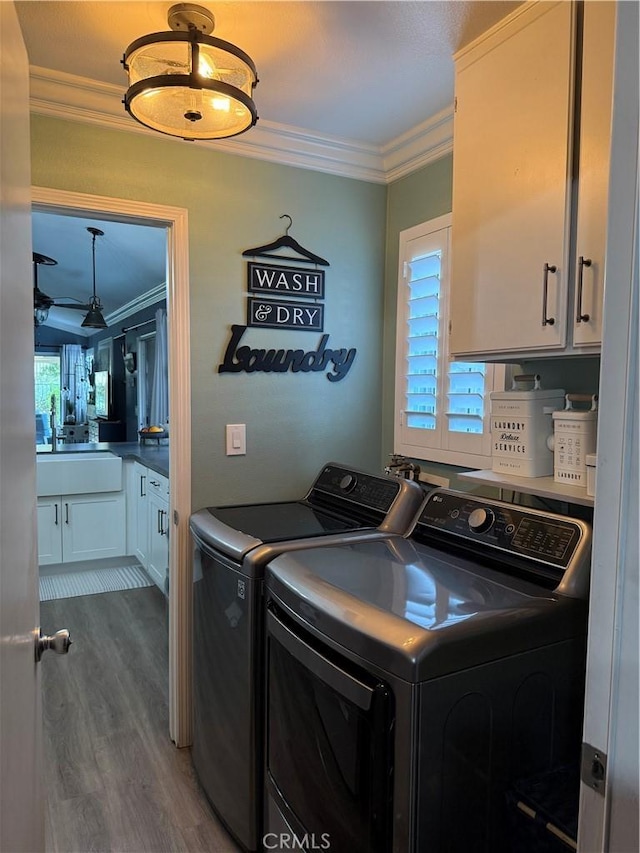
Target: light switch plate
236 439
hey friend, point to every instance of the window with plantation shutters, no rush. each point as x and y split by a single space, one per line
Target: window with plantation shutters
442 406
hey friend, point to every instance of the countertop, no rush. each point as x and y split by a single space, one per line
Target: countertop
154 456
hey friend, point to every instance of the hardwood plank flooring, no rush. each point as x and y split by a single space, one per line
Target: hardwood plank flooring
115 782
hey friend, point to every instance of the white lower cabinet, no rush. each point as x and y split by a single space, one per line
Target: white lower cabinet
81 527
49 531
158 529
139 498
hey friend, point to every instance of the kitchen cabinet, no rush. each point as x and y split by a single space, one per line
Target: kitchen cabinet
158 529
531 152
140 513
49 531
81 527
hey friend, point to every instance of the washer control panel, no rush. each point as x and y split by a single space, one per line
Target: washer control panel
504 528
365 489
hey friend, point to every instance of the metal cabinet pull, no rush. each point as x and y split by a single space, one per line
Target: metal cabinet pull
55 507
582 263
142 491
66 513
547 321
160 522
154 482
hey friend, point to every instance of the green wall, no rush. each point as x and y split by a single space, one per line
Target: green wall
295 422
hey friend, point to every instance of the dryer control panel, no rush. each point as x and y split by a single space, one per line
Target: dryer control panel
510 534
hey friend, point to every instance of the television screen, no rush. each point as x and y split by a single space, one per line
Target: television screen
101 387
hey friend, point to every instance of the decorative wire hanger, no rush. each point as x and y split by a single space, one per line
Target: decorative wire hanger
286 242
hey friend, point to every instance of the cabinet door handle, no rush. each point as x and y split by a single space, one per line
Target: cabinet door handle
142 491
154 482
547 321
55 507
160 522
582 263
66 513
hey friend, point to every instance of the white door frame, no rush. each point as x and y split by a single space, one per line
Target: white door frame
180 570
608 816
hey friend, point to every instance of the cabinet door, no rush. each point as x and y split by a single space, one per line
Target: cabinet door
511 182
158 553
49 531
93 526
593 169
141 538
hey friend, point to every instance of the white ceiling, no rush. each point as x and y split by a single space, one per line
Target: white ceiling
130 262
365 71
350 80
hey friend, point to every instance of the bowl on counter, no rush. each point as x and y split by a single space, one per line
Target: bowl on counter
152 436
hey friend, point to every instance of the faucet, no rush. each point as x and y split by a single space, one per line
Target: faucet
52 422
400 466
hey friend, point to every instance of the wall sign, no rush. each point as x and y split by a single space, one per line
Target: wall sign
285 281
273 280
243 359
276 314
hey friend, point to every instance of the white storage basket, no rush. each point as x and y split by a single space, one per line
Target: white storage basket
574 438
520 426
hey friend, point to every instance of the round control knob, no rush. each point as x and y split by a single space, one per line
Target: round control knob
481 519
348 483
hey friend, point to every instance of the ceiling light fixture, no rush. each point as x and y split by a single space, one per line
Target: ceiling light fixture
94 318
187 83
41 302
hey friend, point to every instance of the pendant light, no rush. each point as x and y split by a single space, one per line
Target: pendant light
188 84
94 318
41 302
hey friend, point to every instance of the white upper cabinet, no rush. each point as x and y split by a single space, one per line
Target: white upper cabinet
516 150
598 43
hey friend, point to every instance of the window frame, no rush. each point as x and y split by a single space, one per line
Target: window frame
465 450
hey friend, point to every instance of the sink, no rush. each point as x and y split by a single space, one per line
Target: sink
78 473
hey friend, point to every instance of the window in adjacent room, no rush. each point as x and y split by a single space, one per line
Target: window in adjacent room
442 406
47 384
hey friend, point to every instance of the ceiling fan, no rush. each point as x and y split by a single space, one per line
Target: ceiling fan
41 302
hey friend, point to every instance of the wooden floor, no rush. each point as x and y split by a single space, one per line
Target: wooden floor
114 780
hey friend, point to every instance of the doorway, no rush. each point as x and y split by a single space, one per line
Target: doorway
180 576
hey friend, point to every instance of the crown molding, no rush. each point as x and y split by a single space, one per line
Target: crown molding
156 294
66 96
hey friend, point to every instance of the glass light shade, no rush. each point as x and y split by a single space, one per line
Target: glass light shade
40 315
190 85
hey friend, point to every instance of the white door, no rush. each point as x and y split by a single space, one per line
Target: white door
21 796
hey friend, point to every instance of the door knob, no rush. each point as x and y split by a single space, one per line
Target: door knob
58 643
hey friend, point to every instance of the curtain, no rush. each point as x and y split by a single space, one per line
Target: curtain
159 412
75 386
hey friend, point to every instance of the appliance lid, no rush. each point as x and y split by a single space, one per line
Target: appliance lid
340 501
236 530
416 611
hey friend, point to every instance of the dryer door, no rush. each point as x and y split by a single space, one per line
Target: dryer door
329 750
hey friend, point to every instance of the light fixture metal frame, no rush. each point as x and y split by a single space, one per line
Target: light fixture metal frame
94 318
193 80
